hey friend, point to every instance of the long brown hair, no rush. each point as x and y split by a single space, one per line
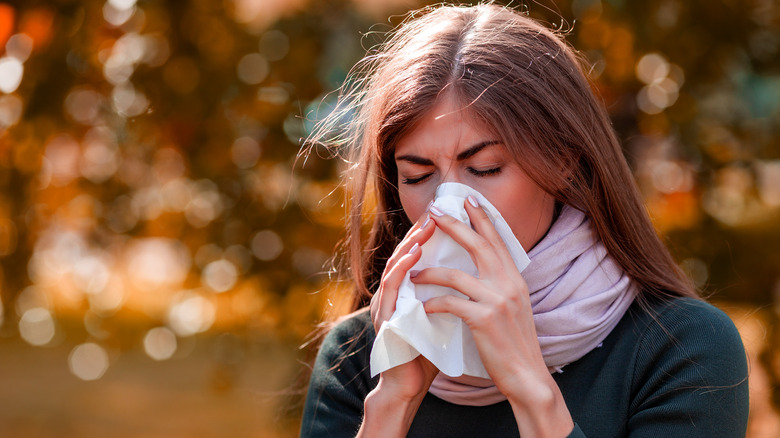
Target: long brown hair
529 88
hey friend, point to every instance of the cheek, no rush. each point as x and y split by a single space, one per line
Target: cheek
531 218
527 209
414 201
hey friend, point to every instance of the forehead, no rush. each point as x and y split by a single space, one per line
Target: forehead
448 127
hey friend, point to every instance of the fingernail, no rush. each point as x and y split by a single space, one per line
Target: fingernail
429 205
436 211
473 201
414 248
427 220
413 274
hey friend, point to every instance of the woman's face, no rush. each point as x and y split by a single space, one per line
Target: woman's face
447 146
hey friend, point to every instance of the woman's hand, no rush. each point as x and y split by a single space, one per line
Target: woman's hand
500 317
391 406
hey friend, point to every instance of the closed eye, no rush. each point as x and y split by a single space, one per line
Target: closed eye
416 180
486 172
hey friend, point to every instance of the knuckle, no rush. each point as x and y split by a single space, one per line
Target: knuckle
504 305
452 276
442 303
482 244
516 301
497 241
388 267
435 305
481 319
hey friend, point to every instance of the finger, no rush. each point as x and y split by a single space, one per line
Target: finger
460 307
453 278
392 275
396 274
421 222
479 248
420 232
383 302
485 228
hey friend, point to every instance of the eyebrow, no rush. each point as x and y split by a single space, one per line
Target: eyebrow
470 152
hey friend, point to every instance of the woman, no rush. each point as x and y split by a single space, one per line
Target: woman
486 97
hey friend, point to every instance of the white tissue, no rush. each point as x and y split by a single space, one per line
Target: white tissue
442 338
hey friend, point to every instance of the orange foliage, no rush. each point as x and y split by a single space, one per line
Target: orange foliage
6 22
619 53
674 211
37 24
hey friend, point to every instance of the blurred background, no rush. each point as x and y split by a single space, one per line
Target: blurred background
163 256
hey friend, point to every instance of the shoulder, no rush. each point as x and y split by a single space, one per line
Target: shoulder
672 367
688 371
687 338
349 332
357 320
686 323
688 344
347 345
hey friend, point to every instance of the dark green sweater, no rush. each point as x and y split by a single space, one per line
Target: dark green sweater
683 374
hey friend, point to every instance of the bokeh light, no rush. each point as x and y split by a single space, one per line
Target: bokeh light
157 262
245 152
19 47
769 182
274 44
190 313
652 68
696 270
220 275
118 12
37 326
663 81
83 104
10 110
88 361
128 102
253 68
160 343
11 72
109 300
267 245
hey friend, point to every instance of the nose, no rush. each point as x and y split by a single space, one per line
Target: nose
451 175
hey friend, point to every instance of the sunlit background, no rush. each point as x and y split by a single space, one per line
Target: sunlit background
163 257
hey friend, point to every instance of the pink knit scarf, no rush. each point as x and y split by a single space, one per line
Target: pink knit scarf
578 295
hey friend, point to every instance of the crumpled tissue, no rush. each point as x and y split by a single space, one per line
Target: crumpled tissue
442 338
